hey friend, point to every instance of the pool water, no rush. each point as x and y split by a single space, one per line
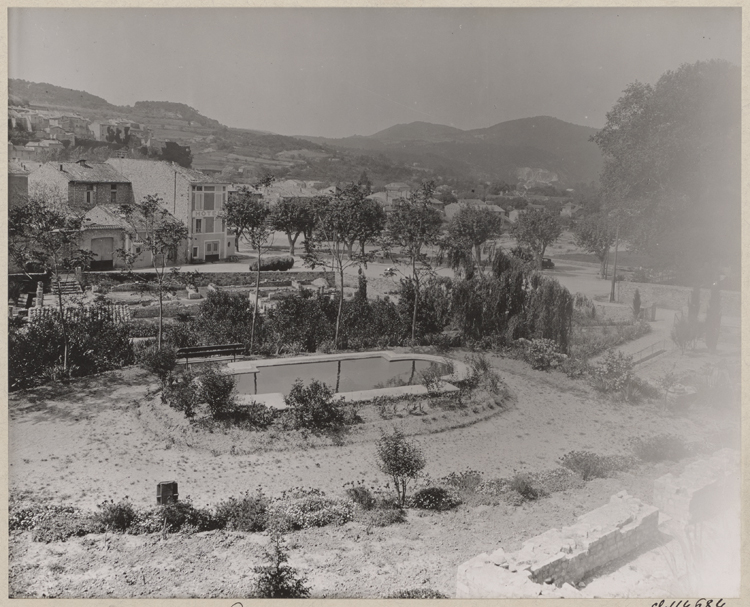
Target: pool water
341 375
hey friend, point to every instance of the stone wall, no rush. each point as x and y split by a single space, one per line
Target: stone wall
549 564
674 297
701 490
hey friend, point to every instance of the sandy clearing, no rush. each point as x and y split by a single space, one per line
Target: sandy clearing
94 441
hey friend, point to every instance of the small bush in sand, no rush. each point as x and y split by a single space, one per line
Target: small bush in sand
401 459
418 593
276 579
434 498
314 407
591 465
116 516
248 513
304 508
523 484
217 390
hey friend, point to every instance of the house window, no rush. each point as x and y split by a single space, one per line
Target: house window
198 226
208 198
89 194
217 229
196 197
209 225
195 251
113 194
138 249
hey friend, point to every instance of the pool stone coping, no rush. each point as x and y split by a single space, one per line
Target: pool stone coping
275 400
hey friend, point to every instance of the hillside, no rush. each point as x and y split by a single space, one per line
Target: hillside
42 94
501 151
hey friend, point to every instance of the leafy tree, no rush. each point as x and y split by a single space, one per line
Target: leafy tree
672 155
293 216
400 459
298 322
337 228
179 154
537 229
43 235
475 226
224 317
240 210
596 234
277 580
371 220
162 236
413 225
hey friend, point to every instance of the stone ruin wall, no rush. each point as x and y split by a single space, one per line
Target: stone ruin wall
550 564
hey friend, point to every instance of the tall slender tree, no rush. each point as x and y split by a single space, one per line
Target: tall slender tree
162 236
413 225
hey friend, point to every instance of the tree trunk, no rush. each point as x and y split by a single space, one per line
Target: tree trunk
349 248
416 300
478 254
292 242
63 323
341 307
255 306
603 268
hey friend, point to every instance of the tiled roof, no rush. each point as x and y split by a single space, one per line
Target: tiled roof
111 216
90 172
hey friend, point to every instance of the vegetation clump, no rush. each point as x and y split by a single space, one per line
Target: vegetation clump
400 459
277 579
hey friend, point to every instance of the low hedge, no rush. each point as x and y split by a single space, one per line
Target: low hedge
273 264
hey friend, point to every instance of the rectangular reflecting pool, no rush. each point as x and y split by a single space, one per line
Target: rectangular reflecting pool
347 375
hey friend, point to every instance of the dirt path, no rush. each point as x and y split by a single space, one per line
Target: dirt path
91 442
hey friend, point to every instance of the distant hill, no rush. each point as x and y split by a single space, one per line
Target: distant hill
501 151
40 93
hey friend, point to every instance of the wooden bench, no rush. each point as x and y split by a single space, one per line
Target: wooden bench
207 351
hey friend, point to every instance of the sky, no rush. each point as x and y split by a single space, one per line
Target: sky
355 71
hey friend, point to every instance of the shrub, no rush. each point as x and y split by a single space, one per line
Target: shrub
159 362
304 508
142 328
58 523
401 460
254 414
418 593
434 498
659 448
116 516
614 373
523 484
543 354
95 344
175 516
361 496
589 465
273 264
277 580
314 407
383 517
217 390
49 522
248 513
182 394
463 482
